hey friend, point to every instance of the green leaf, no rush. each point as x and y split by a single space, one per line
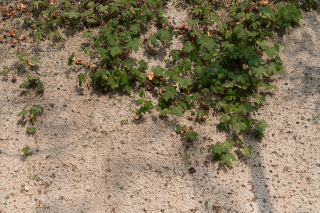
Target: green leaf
215 18
33 111
247 150
181 128
177 110
272 52
128 64
187 47
103 9
246 52
39 107
26 151
222 27
113 82
245 108
143 64
192 135
266 10
152 2
259 71
192 22
24 84
159 71
87 34
35 59
242 78
169 93
173 73
175 55
263 44
40 87
31 130
187 156
56 33
188 98
254 60
228 34
127 88
70 59
161 12
164 34
206 42
101 51
272 68
82 78
115 50
134 44
260 127
184 82
44 26
65 3
23 112
153 39
38 35
227 159
267 86
225 45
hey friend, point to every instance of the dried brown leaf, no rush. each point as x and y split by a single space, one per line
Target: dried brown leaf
13 42
30 63
23 6
264 2
13 33
7 34
137 116
22 37
151 76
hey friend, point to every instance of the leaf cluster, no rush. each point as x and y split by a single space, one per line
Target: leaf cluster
222 151
188 132
33 81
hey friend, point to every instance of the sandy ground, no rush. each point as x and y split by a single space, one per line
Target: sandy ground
87 161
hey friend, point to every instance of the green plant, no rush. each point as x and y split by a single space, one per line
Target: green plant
188 132
33 112
145 107
187 156
124 121
31 130
6 69
36 178
24 60
221 151
26 151
33 81
310 4
230 62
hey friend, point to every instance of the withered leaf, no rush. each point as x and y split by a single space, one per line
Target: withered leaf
137 116
13 42
7 34
23 6
265 2
151 76
22 37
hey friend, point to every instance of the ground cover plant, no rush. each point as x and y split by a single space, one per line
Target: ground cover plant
222 65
